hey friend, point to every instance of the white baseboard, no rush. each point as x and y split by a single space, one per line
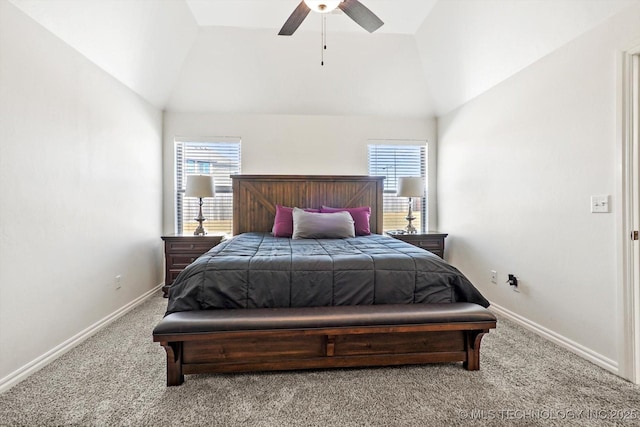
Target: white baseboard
574 347
20 374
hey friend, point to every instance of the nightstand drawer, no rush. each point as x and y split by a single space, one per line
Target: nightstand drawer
428 244
431 241
195 246
172 274
180 261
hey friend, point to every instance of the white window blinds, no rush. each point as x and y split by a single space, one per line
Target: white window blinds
218 157
394 161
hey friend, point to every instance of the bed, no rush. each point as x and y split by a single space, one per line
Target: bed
263 302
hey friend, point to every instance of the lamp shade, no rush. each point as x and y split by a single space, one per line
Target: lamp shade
411 186
200 186
322 6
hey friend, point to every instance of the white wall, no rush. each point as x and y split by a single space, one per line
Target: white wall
255 71
469 46
516 170
286 144
80 179
142 43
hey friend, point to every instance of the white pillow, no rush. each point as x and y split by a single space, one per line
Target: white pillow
312 225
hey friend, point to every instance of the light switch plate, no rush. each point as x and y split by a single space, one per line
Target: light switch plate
599 204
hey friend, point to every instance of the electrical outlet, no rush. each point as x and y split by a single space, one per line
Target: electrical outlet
494 277
118 281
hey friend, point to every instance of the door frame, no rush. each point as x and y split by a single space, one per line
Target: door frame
628 216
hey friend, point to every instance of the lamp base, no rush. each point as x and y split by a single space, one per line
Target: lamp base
200 231
410 228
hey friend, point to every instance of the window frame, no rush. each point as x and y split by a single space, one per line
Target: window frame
215 208
391 179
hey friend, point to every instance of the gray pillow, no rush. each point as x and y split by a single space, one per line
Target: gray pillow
312 225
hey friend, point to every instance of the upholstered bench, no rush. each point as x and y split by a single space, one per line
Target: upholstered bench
321 337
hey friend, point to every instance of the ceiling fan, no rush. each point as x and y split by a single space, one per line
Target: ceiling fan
352 8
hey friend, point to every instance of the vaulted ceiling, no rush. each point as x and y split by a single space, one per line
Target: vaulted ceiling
225 56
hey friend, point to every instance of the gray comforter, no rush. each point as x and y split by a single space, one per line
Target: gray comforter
258 270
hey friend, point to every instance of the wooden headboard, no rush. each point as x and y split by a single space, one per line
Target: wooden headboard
255 197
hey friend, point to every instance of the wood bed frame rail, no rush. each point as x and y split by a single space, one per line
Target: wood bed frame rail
195 344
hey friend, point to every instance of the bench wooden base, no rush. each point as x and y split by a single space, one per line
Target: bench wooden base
311 348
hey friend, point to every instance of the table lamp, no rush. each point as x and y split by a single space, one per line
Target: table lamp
410 187
200 186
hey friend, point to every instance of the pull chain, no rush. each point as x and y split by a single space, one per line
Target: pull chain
323 46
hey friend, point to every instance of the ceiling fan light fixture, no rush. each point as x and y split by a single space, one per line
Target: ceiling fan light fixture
322 6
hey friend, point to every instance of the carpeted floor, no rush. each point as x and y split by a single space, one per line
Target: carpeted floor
117 377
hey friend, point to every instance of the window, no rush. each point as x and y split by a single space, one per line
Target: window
395 160
220 158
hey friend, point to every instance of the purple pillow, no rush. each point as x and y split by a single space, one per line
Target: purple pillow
283 222
360 217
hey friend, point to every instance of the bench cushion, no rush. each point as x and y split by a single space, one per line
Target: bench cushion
205 321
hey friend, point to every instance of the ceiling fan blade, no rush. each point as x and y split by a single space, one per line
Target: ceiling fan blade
294 21
361 15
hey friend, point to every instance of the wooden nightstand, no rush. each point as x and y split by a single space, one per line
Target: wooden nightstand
180 251
431 240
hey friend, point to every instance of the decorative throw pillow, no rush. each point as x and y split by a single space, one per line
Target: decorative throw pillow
312 225
283 222
360 216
